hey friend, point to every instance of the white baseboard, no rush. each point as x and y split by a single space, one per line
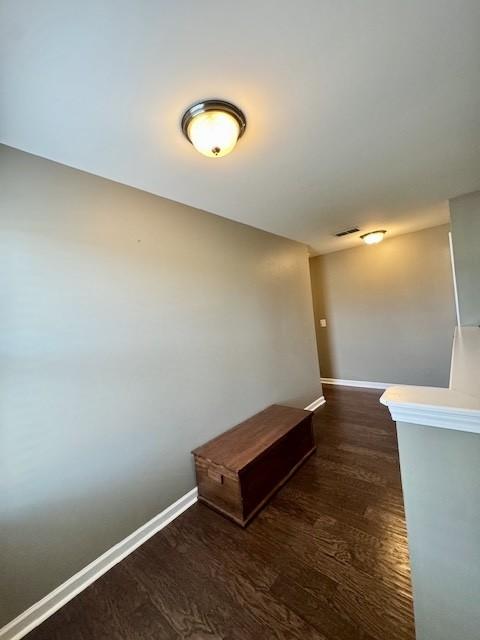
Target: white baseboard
315 404
44 608
357 383
47 606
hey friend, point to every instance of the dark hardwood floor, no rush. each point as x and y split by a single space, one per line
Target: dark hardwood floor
327 559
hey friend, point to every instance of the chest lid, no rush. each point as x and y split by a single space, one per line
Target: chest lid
239 446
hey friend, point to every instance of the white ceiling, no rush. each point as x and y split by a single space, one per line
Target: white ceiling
359 113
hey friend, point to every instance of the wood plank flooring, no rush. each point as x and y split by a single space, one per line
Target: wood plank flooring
327 559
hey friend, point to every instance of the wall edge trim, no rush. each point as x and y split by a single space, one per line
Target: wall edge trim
53 601
358 383
316 404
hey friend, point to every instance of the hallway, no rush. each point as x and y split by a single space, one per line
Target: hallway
326 560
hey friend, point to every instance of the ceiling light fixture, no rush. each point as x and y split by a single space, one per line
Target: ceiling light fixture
373 237
213 127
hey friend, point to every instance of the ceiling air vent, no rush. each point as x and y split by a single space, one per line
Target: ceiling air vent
347 232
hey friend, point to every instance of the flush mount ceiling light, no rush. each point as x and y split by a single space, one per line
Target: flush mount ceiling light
373 237
213 127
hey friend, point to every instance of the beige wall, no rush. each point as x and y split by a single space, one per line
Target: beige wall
389 309
465 215
132 329
441 484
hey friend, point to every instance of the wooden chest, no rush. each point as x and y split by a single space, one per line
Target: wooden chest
238 471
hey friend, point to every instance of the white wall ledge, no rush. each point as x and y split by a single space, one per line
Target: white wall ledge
433 407
456 408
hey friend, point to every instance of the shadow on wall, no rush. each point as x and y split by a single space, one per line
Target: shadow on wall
321 312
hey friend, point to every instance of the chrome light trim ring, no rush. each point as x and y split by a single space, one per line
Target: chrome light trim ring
213 105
